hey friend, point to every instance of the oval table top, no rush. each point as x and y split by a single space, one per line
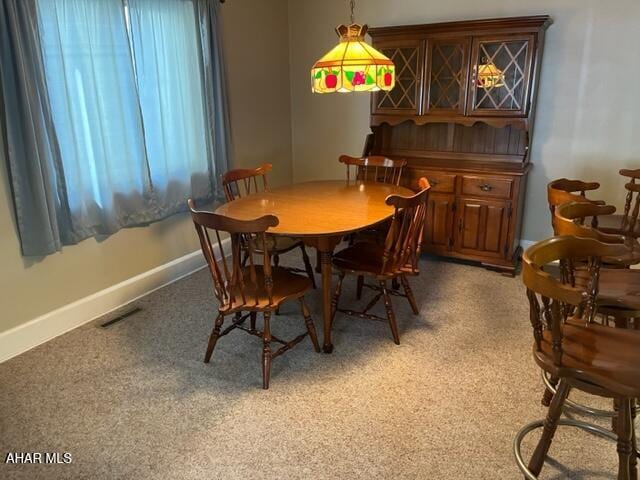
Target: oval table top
332 207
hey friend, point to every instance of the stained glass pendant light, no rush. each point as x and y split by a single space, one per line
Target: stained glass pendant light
490 76
353 65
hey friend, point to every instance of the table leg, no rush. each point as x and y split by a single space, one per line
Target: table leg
325 262
325 246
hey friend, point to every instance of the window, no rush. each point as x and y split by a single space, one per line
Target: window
126 88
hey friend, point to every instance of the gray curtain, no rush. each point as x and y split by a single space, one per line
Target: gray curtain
87 154
33 154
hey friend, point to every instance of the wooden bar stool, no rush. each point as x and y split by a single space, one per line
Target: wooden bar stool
564 190
584 355
252 289
626 223
245 181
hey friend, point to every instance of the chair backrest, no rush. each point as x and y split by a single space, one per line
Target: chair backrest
234 284
564 190
632 201
374 169
245 181
551 299
570 220
404 238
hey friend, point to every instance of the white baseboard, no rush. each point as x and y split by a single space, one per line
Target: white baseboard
526 244
50 325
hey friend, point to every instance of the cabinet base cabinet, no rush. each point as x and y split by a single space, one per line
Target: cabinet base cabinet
473 215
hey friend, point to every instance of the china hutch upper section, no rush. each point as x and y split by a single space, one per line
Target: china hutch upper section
461 72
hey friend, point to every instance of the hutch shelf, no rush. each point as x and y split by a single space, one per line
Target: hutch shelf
462 115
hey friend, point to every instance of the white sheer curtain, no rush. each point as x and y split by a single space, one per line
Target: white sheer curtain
93 96
170 80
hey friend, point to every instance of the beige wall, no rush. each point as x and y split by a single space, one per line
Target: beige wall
255 35
588 119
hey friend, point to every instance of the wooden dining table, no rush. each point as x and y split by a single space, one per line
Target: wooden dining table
321 213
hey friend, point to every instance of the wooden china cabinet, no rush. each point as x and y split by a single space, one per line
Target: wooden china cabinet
462 115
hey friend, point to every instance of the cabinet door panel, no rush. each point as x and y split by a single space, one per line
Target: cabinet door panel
447 72
405 98
501 75
482 227
439 223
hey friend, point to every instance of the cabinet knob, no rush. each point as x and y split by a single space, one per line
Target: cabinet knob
485 187
433 182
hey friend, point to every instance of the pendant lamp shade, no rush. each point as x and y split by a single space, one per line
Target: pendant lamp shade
353 65
490 76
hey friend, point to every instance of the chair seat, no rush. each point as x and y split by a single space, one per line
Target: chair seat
604 356
613 224
617 287
276 243
286 285
361 258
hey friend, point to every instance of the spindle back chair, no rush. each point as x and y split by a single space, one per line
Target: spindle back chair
250 285
632 202
394 260
374 169
241 182
569 346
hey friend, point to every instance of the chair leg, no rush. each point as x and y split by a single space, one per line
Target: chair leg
625 439
266 351
336 296
390 315
311 328
548 394
409 293
214 337
307 265
550 426
252 319
394 284
318 262
276 260
359 286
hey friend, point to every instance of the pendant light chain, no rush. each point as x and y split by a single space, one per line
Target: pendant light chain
352 3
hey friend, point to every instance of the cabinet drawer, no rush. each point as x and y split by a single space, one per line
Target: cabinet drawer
440 182
497 187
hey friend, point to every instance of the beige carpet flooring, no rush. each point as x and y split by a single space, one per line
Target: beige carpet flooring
135 400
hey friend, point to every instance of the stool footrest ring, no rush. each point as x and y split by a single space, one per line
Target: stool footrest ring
517 442
576 407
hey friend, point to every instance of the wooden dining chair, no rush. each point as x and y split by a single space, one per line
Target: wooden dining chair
246 290
245 181
374 169
377 169
394 260
582 354
564 190
626 223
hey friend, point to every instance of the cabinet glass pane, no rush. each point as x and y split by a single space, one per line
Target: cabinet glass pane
405 94
446 76
500 75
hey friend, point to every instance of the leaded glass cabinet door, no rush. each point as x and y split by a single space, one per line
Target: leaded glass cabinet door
405 98
501 75
447 73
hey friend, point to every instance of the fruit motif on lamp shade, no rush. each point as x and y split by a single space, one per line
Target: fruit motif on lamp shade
353 65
